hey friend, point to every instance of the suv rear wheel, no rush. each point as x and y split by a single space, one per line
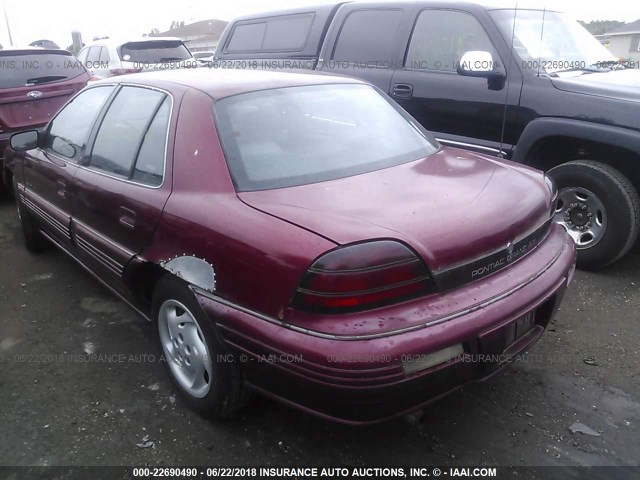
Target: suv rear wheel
599 207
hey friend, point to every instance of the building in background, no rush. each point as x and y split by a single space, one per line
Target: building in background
199 36
624 42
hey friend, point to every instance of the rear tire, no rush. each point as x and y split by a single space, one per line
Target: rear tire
600 208
211 386
34 241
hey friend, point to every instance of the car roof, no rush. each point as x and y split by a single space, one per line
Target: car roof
33 51
469 4
220 83
121 41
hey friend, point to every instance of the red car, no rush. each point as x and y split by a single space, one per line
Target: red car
298 235
34 84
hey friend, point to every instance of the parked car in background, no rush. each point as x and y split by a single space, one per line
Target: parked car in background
34 84
204 58
530 85
298 235
107 58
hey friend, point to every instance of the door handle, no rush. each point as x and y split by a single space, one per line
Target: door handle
127 217
62 187
402 90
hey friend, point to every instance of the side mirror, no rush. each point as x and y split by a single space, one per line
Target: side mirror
481 64
23 141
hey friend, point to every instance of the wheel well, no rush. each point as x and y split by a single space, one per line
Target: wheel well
142 281
555 150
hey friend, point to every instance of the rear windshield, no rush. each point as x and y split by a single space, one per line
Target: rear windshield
33 68
287 33
300 135
154 51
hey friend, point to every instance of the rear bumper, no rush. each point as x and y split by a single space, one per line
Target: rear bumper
365 380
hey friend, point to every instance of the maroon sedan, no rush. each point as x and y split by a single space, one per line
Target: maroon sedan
297 235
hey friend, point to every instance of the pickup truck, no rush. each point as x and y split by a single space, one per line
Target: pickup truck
532 86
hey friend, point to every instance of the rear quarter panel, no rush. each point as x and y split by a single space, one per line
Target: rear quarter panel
258 260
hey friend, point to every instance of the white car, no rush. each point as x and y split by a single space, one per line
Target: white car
107 58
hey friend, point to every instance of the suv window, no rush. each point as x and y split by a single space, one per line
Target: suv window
368 36
94 55
275 34
104 55
441 37
26 68
82 56
123 129
154 51
69 131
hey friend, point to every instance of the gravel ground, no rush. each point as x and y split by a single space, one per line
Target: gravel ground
60 409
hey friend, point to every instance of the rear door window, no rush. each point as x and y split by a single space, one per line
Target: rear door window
94 55
154 51
69 131
368 36
30 68
104 55
126 125
82 56
149 167
286 33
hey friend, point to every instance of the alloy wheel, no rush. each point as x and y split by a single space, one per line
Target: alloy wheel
185 348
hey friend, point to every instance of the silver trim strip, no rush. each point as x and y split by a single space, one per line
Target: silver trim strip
53 222
99 256
126 252
454 143
329 336
109 287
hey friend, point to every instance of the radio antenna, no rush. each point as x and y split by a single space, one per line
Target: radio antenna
508 69
544 13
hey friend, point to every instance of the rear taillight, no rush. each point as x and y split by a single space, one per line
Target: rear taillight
362 276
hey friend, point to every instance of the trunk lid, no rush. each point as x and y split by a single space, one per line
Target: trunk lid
39 83
452 207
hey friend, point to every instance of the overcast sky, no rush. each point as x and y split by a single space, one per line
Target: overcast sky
54 19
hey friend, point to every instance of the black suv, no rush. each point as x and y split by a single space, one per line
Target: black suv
528 85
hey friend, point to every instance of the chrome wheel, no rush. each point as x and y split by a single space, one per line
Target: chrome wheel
582 214
185 348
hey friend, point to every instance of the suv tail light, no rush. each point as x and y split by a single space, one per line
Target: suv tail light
362 276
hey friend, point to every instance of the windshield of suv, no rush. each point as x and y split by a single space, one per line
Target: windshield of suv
154 51
300 135
551 41
23 69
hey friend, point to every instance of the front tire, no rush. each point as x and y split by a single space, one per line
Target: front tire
192 351
600 209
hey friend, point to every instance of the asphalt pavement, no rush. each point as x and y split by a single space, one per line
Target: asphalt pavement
60 405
